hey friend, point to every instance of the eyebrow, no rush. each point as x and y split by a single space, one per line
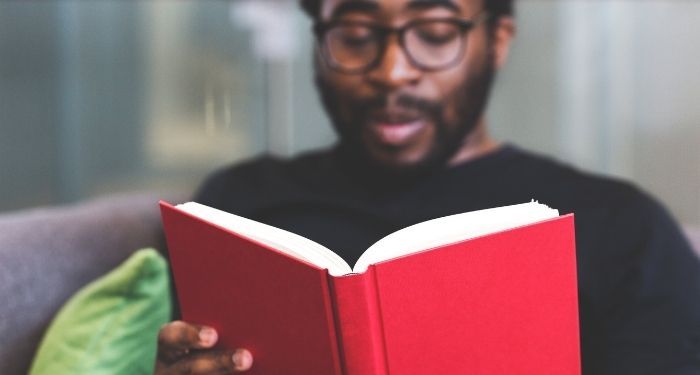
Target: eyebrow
428 4
371 6
349 6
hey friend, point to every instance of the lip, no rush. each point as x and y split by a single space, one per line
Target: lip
396 132
394 118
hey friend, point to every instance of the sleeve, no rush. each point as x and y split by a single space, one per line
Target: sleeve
651 323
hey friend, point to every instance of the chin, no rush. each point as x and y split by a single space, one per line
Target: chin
397 164
394 162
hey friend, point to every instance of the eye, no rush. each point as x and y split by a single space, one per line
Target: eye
437 33
353 36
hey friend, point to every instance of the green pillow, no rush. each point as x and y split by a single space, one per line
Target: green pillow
111 325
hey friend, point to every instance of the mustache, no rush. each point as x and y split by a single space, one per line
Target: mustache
403 102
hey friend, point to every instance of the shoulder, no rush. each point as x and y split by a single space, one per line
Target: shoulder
235 177
614 217
572 189
259 178
620 228
627 242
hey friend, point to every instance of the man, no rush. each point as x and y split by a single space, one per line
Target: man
405 83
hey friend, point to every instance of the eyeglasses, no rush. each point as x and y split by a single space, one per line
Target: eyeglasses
355 47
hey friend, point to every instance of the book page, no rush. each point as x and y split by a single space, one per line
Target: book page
419 237
450 229
281 240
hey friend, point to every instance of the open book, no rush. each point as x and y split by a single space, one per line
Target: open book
483 292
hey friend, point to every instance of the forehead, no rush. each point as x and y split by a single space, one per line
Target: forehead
398 7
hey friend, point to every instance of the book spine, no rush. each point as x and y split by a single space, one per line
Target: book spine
359 324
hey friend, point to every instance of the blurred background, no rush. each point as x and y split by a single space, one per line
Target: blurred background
114 96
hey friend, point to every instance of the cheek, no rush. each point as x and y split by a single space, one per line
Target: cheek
334 81
343 84
455 85
451 87
345 91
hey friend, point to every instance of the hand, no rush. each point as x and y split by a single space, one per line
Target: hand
184 348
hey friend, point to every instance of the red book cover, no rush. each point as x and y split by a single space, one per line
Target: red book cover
503 303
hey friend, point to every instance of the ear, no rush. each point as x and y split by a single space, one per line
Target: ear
503 34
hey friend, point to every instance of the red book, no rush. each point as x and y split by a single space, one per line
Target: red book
484 293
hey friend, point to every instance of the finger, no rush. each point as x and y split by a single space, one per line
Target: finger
177 338
214 363
242 360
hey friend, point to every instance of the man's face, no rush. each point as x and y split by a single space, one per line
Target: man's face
396 115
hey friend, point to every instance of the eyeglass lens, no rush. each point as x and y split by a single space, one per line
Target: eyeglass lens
432 44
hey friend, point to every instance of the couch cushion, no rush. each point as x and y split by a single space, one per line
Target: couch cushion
110 326
47 254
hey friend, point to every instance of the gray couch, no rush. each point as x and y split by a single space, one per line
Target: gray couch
48 254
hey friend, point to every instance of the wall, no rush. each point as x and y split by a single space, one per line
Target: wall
107 96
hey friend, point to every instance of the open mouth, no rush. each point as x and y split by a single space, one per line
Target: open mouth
396 129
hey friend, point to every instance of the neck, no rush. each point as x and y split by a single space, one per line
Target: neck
476 144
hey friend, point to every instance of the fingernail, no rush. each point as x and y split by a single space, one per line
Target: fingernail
242 359
207 336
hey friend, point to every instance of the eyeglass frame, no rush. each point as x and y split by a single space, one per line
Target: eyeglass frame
383 32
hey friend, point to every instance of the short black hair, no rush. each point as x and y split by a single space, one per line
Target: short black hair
495 8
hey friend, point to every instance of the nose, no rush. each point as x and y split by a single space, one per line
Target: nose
395 69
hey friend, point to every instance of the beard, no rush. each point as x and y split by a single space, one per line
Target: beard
349 115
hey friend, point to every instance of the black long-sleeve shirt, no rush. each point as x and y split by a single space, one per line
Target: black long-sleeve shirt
639 281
